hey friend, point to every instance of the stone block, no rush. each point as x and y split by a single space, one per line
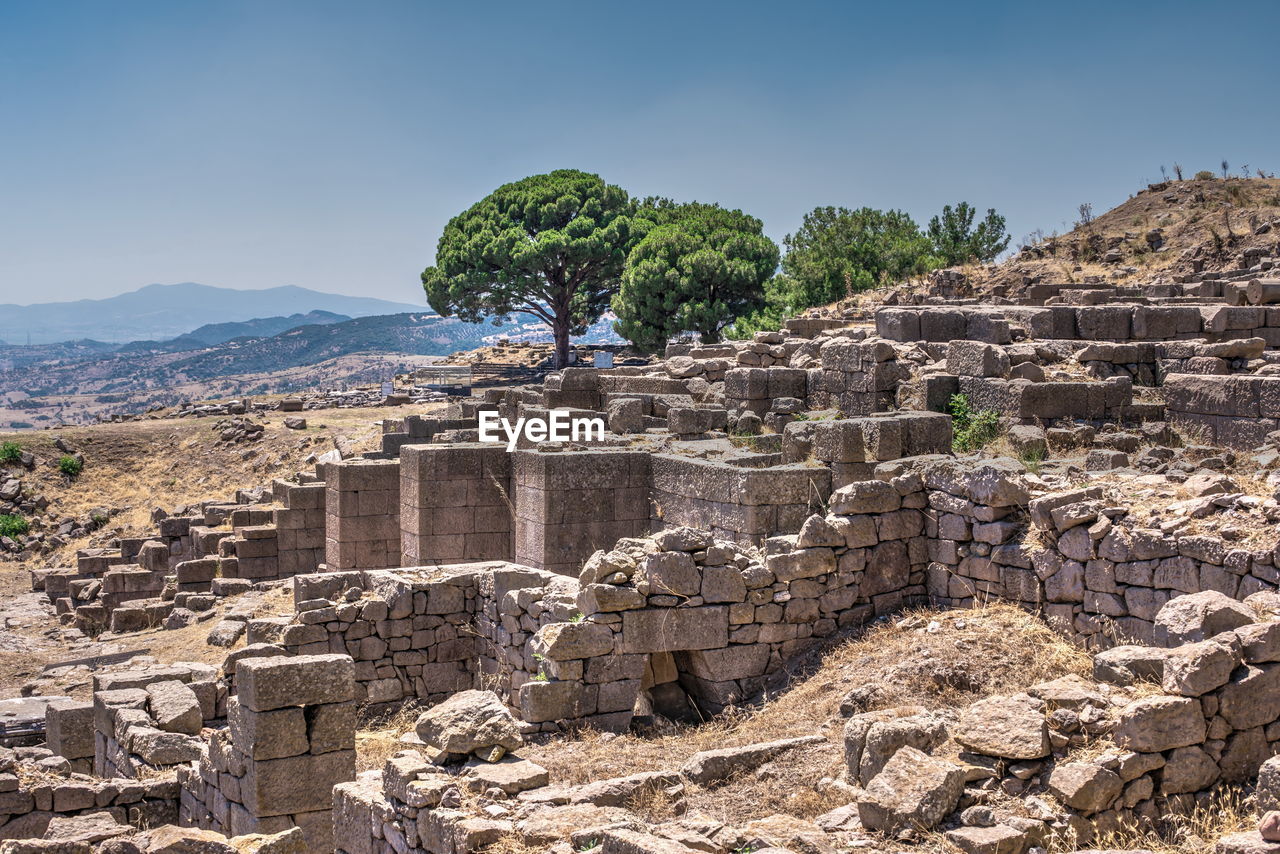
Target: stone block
297 784
276 734
174 707
69 728
264 684
675 629
976 359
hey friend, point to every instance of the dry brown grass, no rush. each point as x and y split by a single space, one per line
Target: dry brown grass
785 786
141 465
378 739
1229 811
996 649
655 805
512 844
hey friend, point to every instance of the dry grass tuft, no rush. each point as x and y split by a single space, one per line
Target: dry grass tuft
511 844
655 805
1229 810
378 738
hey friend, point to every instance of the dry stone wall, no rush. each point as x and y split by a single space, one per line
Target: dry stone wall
29 803
290 738
142 721
1228 411
426 632
1117 323
455 503
362 505
1112 752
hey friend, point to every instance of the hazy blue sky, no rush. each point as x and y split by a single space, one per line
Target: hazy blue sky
325 144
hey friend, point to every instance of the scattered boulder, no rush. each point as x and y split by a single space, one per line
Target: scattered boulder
711 766
1009 727
913 790
470 722
1198 617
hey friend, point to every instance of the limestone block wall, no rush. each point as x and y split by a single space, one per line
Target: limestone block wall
617 382
1107 400
1230 411
70 733
939 324
142 731
734 503
455 503
257 552
569 504
1148 363
140 721
1096 572
428 632
300 527
362 509
290 738
1119 322
654 623
755 389
418 430
572 388
852 447
28 808
683 619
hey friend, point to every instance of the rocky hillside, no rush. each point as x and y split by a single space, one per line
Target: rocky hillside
1169 230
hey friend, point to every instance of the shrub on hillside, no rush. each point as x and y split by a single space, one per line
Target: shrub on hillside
972 431
1204 175
10 453
13 526
70 466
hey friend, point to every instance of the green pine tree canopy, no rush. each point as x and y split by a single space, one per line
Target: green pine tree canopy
696 270
552 246
565 246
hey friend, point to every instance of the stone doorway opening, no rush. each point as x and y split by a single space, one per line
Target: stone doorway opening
671 689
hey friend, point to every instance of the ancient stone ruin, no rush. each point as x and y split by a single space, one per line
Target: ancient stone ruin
751 503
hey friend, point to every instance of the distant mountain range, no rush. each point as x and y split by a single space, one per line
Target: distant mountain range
163 312
212 334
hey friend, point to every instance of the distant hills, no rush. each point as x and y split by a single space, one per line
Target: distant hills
87 367
212 334
163 312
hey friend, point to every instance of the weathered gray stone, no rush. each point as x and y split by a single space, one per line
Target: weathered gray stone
1009 727
469 721
566 641
174 707
913 790
1084 786
1194 669
1199 616
1156 724
264 684
711 766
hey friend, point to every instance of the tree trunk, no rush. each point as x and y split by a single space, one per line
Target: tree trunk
561 329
